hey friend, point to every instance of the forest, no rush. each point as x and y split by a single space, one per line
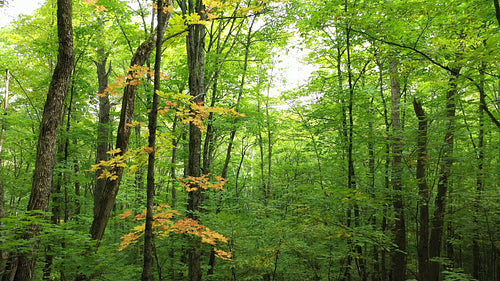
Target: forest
171 140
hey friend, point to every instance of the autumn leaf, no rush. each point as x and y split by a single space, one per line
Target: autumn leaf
148 150
134 124
98 8
125 214
168 9
223 254
114 151
105 174
164 225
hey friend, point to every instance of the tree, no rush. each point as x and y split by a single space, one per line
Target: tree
23 265
399 255
437 222
104 199
423 191
195 49
162 16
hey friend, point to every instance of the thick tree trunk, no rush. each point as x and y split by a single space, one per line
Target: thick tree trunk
46 148
423 191
437 222
56 196
103 130
195 46
399 254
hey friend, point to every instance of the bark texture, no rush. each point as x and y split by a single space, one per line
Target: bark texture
47 140
103 131
195 46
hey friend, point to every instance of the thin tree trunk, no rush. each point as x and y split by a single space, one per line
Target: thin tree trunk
374 272
476 250
238 99
384 274
2 137
147 272
351 174
232 134
261 163
173 161
238 170
437 222
269 149
76 169
399 254
3 253
423 191
46 148
378 254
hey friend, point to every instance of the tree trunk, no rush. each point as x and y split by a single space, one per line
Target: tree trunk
269 149
56 197
384 274
46 148
173 161
437 222
399 254
147 271
497 10
232 134
261 163
476 249
351 173
104 198
103 130
3 253
195 47
2 137
423 191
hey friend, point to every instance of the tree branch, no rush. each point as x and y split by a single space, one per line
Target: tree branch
426 56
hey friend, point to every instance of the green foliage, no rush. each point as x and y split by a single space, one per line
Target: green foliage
286 210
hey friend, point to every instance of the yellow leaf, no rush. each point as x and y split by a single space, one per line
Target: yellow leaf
125 214
168 9
114 151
